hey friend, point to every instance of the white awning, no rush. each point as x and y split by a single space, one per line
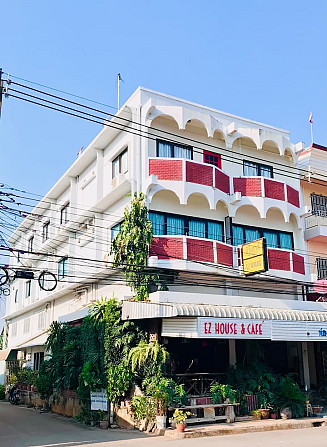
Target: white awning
77 315
133 310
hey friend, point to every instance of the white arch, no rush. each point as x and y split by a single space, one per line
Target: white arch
274 142
278 208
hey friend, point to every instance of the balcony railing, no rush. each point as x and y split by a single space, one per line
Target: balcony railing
175 169
315 221
216 252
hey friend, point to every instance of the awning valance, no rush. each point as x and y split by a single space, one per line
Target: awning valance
8 354
133 310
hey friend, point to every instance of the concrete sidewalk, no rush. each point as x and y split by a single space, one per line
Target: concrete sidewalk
245 427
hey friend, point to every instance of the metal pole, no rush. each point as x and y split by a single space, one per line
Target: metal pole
311 133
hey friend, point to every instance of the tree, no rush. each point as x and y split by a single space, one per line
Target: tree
131 247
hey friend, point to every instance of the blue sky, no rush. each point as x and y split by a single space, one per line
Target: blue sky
265 60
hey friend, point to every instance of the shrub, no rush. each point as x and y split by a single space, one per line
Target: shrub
220 393
2 392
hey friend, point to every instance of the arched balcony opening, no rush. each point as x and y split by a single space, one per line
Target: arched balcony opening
247 214
165 200
219 138
244 142
289 155
164 122
276 217
196 127
270 147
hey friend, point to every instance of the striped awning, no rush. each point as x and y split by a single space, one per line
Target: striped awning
133 310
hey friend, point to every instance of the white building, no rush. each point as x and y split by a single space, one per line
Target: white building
213 181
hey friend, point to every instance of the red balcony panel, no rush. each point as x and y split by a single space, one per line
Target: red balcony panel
224 254
279 260
200 250
197 173
248 186
222 181
166 169
298 264
293 196
274 190
167 247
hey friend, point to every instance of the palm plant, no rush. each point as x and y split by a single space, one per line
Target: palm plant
144 352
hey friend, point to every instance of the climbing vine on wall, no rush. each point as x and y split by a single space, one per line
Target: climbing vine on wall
131 247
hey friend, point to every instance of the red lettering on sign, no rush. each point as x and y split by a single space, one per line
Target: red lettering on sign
216 328
209 328
235 330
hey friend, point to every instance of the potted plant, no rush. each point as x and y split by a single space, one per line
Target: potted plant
290 399
180 417
256 414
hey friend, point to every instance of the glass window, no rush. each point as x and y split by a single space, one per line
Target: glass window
271 238
171 150
212 159
30 244
45 231
286 241
238 235
215 231
28 288
38 359
62 268
175 225
251 168
251 234
158 223
120 164
64 214
322 268
197 228
115 230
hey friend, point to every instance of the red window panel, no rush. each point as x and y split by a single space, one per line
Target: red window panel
212 158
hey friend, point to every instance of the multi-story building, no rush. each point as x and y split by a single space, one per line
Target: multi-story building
213 181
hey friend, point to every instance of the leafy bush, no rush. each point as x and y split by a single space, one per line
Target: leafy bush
164 392
220 393
143 407
119 380
289 395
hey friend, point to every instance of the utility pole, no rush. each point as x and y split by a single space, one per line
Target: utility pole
118 80
1 89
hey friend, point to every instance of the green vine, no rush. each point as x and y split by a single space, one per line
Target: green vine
131 247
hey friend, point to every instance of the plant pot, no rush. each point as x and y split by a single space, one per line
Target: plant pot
273 415
317 409
103 424
264 413
180 427
161 422
256 416
286 413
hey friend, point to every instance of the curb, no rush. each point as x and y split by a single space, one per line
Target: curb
240 428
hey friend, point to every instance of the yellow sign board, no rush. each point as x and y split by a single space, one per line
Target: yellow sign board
254 255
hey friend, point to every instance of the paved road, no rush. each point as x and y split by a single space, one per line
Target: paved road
23 427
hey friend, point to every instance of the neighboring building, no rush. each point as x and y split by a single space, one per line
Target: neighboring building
213 181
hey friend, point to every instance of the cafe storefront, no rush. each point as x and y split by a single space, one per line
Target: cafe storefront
208 338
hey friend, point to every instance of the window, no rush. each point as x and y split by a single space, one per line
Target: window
322 268
26 327
171 224
41 320
212 159
30 244
45 231
62 268
64 214
28 288
16 296
319 205
251 168
38 359
120 164
274 238
115 230
173 150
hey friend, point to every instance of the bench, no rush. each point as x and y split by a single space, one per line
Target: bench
209 412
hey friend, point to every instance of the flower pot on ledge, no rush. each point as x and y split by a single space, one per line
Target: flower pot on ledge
180 427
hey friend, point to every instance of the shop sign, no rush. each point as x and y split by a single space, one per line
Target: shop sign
99 400
254 256
233 328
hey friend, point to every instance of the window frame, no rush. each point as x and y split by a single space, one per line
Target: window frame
321 271
261 230
45 231
30 244
119 160
318 209
64 262
28 288
173 144
212 154
187 220
260 167
64 218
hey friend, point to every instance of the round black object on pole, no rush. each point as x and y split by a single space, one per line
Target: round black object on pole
4 276
47 281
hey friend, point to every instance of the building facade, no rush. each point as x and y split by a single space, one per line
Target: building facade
213 181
